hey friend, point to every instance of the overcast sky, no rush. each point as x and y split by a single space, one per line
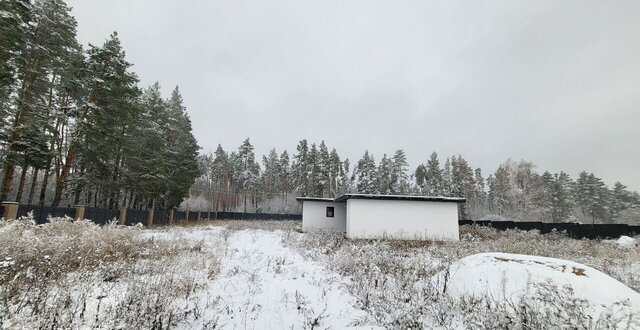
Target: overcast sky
553 82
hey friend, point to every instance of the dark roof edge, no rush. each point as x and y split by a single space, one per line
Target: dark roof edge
315 199
345 197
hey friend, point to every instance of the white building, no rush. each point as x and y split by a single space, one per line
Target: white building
383 216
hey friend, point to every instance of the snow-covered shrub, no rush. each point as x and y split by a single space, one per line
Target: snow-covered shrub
394 280
75 274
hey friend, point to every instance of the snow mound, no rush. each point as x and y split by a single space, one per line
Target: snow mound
509 275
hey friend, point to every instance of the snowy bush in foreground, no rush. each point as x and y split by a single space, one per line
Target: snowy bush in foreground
75 274
395 280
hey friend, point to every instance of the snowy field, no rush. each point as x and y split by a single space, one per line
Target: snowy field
267 275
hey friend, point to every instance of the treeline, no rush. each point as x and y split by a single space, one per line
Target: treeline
76 128
237 181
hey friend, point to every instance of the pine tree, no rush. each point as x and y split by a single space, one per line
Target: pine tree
335 173
621 199
222 178
48 42
420 176
501 189
181 151
315 171
365 174
463 184
346 183
447 179
324 171
561 198
271 173
399 177
15 21
284 176
301 169
592 196
144 171
248 171
480 191
385 176
434 176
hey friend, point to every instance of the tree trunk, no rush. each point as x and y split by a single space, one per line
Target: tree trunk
7 182
71 155
34 182
23 177
57 196
45 184
21 117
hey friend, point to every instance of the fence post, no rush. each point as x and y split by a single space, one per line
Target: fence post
122 217
186 215
149 217
10 210
171 216
199 215
209 215
79 212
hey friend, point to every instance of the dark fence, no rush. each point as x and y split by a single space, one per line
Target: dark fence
41 214
254 216
575 230
160 217
179 216
136 216
101 216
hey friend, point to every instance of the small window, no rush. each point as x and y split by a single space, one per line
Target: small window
329 211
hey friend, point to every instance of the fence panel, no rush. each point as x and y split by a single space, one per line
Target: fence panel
160 217
41 214
179 216
254 216
575 230
135 216
101 216
503 225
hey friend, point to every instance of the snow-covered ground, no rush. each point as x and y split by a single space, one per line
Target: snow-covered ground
251 275
264 285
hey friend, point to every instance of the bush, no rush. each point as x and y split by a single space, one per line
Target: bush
394 280
75 274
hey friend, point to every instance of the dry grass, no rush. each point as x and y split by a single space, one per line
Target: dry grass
271 225
392 279
75 274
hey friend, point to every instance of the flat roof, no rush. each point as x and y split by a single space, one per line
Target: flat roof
401 197
345 197
314 199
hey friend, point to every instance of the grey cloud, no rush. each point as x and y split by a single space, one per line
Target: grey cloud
551 82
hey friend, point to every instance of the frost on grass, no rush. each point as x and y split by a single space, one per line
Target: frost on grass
421 284
250 274
75 274
265 285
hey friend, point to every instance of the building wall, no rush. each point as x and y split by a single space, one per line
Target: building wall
314 216
397 219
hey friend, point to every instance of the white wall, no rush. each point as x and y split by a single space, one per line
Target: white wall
401 219
314 216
